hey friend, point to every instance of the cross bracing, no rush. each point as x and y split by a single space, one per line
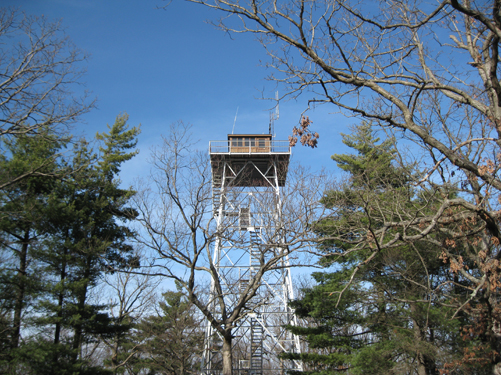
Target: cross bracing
251 260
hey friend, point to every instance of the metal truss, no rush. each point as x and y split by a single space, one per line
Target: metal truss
247 209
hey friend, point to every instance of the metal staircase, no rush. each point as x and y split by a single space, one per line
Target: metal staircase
255 250
256 362
216 194
256 354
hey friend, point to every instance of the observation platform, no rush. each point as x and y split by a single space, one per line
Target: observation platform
250 158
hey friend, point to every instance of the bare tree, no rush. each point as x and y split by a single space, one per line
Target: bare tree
179 226
428 74
38 70
132 295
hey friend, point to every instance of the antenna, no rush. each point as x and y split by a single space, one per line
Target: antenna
274 116
234 122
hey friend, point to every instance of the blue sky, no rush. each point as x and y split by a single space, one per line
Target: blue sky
161 66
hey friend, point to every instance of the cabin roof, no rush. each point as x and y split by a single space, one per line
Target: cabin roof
249 135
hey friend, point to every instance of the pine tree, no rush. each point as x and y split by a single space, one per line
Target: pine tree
170 341
23 210
376 313
83 235
89 239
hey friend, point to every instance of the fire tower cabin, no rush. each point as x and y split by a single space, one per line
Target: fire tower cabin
248 143
248 160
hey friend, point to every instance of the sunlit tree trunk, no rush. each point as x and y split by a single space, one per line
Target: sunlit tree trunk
227 355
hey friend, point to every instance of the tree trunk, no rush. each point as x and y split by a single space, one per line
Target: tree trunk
426 363
418 337
21 284
81 299
494 330
60 299
227 355
421 370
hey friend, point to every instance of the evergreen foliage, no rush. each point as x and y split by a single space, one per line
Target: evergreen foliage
375 312
171 340
62 228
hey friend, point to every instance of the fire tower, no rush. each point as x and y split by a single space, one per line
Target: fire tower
248 172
